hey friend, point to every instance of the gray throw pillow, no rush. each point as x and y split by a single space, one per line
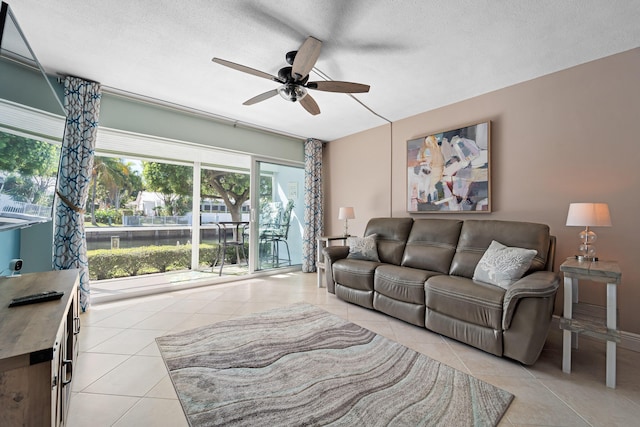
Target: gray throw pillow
363 248
502 265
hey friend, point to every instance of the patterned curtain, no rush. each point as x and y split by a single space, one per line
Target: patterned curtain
313 227
82 106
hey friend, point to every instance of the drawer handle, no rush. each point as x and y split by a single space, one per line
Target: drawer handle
76 325
68 371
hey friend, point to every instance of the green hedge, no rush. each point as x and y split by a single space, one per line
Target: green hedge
112 263
108 216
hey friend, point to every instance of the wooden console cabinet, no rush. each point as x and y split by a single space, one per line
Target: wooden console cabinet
38 349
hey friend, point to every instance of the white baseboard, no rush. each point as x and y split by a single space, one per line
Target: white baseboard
628 340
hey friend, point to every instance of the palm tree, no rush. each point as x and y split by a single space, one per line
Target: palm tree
112 174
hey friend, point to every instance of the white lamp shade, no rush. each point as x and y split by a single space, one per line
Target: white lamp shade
589 215
346 213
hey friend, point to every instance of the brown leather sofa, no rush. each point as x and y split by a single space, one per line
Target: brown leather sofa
424 277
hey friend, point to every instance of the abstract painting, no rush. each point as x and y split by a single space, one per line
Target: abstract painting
449 171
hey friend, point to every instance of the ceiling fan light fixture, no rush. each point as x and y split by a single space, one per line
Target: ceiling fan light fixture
292 92
294 79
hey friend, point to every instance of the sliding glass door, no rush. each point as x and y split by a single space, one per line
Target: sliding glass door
277 214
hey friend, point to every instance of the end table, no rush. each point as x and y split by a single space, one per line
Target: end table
579 318
323 242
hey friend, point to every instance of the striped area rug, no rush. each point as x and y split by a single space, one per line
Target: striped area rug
301 365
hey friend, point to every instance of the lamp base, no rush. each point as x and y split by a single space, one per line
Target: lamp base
586 258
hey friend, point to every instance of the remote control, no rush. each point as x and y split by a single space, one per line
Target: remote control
35 298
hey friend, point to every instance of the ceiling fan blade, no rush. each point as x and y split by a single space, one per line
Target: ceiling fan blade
246 69
334 86
310 105
306 58
261 97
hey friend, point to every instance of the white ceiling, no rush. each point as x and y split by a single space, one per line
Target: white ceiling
417 55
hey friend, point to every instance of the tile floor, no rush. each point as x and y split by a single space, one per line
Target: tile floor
121 379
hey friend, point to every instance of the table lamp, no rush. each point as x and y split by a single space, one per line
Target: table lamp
346 214
588 215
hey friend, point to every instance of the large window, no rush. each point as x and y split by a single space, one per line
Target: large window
152 215
280 212
138 217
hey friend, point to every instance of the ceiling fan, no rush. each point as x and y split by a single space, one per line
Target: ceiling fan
295 79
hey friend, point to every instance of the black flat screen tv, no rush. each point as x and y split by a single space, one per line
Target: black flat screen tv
31 128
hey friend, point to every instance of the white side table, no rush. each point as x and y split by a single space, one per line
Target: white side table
323 242
579 318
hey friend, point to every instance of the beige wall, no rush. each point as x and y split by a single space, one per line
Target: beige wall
571 136
357 172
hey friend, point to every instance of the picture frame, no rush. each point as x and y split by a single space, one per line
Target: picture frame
450 171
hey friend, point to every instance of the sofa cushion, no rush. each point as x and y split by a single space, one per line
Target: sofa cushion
483 338
432 244
461 298
411 313
355 273
401 283
355 296
392 236
363 248
503 265
477 235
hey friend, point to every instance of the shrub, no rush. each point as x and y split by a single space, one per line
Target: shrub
108 216
162 257
112 263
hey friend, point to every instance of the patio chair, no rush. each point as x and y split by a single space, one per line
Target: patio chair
230 234
279 233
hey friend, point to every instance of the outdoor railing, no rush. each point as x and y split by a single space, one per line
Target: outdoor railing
138 221
25 208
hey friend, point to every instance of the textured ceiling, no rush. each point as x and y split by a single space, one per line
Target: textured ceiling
417 55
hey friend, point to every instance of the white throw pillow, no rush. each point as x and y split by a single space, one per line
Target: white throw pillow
364 248
503 265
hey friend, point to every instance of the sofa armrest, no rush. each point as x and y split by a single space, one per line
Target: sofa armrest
334 253
540 284
331 255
